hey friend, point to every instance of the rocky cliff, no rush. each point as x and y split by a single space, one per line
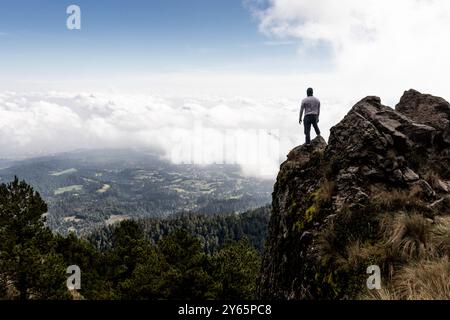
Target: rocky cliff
375 194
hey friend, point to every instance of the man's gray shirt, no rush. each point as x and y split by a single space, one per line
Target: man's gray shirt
310 105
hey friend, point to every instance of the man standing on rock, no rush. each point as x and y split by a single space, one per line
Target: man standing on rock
311 107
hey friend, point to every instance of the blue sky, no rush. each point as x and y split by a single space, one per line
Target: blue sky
135 65
138 36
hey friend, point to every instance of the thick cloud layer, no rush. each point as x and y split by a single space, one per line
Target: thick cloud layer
255 134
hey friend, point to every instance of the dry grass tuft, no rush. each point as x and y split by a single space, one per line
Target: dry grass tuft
326 191
424 246
411 247
409 235
429 280
382 294
441 235
433 179
400 199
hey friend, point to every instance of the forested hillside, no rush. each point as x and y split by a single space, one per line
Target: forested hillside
182 258
212 230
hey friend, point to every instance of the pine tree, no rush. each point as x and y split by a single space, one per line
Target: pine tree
93 265
186 276
235 268
28 261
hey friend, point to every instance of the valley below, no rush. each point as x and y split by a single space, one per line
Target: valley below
88 189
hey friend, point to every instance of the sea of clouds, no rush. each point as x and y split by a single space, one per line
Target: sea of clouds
203 130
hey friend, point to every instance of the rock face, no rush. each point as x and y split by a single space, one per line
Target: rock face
426 109
328 198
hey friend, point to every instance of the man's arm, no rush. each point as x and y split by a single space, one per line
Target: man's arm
301 112
318 113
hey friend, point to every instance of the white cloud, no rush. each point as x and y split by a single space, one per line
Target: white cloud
202 130
378 46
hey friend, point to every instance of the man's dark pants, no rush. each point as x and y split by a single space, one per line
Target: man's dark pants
310 119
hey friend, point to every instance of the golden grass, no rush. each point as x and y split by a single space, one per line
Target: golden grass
424 280
326 191
411 249
397 199
424 245
433 179
409 235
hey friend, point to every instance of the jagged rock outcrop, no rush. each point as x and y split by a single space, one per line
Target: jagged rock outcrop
426 109
331 198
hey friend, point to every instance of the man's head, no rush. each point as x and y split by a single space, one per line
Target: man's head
310 92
